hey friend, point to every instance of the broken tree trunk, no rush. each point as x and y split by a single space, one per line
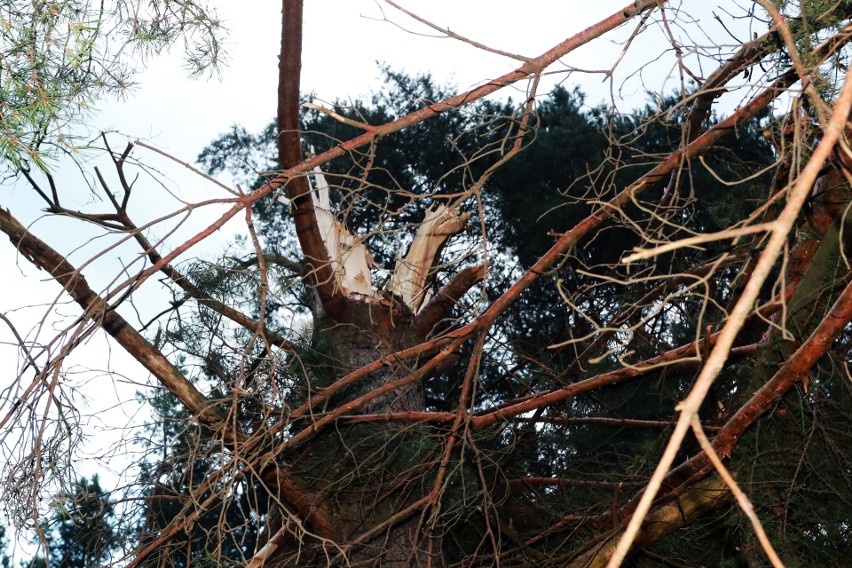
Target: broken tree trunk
358 466
354 469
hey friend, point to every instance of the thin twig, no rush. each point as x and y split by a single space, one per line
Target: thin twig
339 117
741 497
450 34
188 166
642 254
782 226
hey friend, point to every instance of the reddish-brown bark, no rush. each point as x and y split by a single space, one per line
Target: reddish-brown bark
607 210
389 323
97 310
687 478
675 358
446 298
795 369
318 270
531 67
310 506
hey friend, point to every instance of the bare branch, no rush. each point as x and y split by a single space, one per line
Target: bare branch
782 226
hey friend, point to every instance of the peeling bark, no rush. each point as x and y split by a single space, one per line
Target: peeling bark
364 328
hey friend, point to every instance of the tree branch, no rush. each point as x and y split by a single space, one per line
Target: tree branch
663 520
716 360
319 270
447 297
104 315
797 367
289 174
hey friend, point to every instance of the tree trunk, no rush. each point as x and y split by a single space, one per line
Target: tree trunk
364 473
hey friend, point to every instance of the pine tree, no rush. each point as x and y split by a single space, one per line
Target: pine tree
80 531
475 334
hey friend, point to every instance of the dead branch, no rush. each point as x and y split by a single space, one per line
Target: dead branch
663 520
447 297
784 223
97 310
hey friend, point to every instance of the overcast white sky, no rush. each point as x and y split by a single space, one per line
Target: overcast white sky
343 41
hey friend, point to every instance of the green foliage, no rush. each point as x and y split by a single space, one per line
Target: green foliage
227 530
58 58
539 189
574 157
5 559
382 194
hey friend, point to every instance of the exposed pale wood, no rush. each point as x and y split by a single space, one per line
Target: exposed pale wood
410 275
350 260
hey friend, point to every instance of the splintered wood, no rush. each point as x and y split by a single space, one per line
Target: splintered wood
351 261
349 257
409 276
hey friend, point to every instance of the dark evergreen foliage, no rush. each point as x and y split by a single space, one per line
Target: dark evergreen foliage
573 153
80 529
5 559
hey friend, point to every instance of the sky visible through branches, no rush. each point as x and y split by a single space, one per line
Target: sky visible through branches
464 381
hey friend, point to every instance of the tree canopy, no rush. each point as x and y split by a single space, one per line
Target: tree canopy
456 329
57 59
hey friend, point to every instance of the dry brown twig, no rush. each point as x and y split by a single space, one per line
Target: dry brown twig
782 226
532 392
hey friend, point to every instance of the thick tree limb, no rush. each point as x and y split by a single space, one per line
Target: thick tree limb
104 315
121 221
348 256
319 270
657 174
663 520
535 65
290 153
272 546
715 361
447 297
683 356
313 240
606 421
309 504
796 368
410 274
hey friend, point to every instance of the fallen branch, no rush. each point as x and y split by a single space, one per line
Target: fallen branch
797 368
102 314
777 240
663 520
